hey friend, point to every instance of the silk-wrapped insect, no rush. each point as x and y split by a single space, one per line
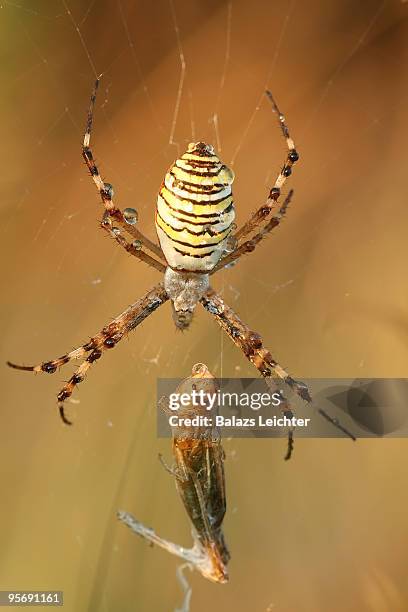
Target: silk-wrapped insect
200 481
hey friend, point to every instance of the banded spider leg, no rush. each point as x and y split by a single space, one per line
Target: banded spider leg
112 213
249 245
251 345
133 248
107 338
263 212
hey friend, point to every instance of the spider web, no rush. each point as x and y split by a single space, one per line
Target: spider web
173 73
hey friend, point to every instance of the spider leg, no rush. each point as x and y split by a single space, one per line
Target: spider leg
251 345
51 366
215 305
107 338
289 448
249 342
292 157
249 245
106 189
133 248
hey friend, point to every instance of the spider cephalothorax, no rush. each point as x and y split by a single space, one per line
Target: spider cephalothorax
195 225
185 289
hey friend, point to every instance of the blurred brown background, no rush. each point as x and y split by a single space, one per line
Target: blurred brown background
326 531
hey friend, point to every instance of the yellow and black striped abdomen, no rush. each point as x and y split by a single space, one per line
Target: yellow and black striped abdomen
195 211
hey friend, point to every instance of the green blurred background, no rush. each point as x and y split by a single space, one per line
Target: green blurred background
326 531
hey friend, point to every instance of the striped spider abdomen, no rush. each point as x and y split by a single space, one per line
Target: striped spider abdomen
195 210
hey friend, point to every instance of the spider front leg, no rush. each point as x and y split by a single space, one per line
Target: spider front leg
249 342
251 345
107 338
106 189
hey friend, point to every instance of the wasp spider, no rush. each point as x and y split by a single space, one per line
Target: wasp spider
196 230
